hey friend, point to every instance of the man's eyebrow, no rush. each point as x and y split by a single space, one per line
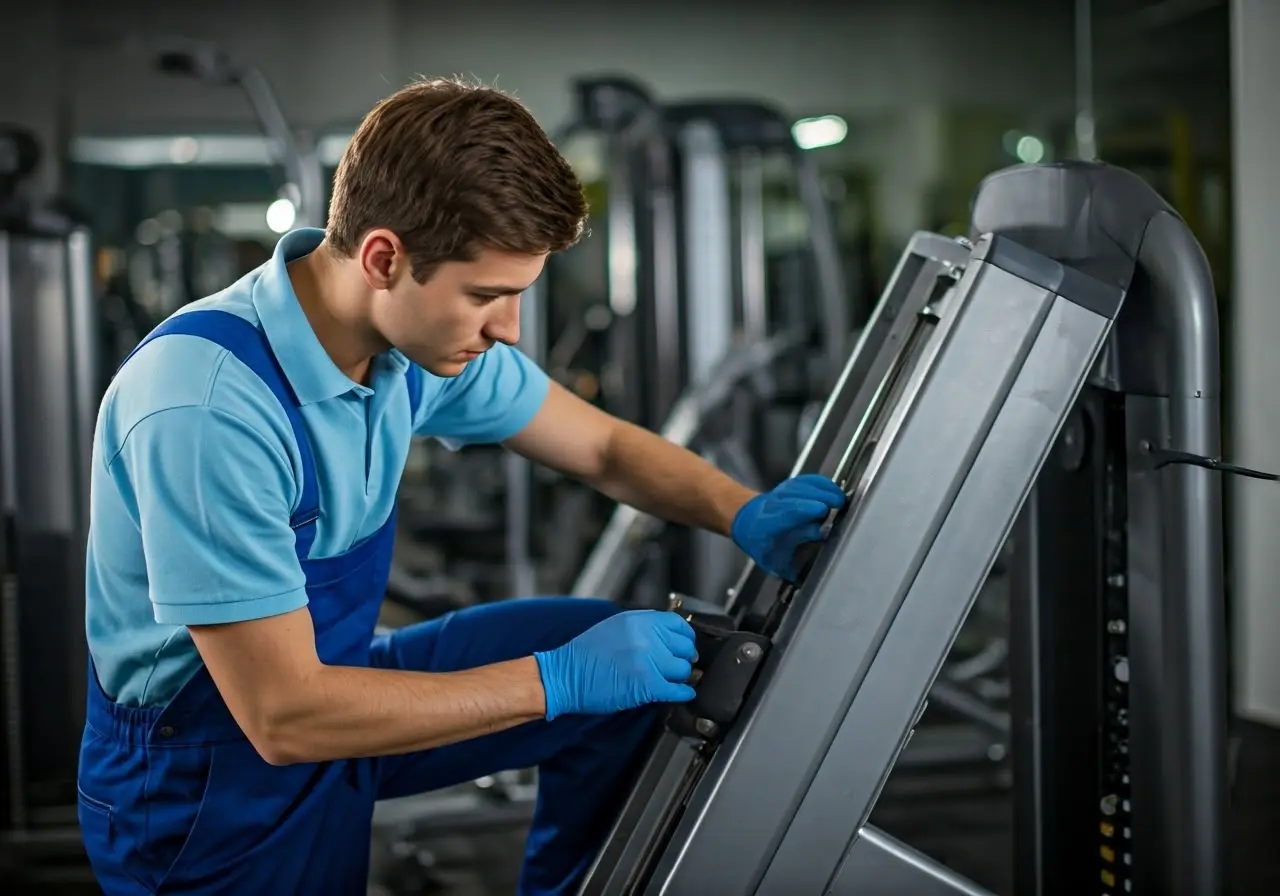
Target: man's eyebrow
485 289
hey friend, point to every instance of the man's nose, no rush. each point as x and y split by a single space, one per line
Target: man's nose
504 325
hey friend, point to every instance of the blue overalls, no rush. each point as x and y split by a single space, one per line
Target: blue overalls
175 799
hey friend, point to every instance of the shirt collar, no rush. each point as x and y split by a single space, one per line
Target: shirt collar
308 367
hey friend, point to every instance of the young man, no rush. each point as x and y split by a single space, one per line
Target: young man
242 718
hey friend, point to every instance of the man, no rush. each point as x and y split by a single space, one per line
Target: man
242 718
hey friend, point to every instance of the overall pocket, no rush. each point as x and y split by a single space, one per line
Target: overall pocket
95 817
177 782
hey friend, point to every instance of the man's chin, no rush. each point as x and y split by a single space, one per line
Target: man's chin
446 368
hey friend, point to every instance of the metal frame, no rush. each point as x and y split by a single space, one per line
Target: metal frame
992 402
1118 636
973 390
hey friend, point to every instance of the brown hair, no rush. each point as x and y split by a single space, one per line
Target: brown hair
452 168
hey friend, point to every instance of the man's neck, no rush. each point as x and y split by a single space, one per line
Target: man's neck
336 306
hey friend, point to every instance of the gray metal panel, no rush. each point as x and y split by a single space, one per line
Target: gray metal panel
879 720
46 455
879 865
742 807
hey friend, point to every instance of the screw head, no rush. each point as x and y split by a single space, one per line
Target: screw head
705 727
751 651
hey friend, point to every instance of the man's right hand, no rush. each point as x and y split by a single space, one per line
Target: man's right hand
628 660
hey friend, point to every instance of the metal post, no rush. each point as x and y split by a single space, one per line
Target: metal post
1086 127
709 317
752 266
9 610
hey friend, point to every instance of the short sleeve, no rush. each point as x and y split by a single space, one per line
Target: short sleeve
493 399
214 497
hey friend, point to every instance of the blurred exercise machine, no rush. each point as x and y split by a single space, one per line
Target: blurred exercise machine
1061 382
48 400
733 356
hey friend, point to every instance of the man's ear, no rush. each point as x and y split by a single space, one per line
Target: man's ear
383 259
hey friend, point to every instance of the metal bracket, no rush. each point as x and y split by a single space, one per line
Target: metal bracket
728 660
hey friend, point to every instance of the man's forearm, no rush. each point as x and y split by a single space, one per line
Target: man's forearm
344 712
647 472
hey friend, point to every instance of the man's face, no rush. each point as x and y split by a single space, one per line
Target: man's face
460 312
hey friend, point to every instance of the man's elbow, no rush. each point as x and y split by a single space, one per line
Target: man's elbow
277 730
278 750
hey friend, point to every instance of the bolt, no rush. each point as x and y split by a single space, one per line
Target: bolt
705 727
750 651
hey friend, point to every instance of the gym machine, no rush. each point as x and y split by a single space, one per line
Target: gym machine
964 414
635 328
745 348
49 393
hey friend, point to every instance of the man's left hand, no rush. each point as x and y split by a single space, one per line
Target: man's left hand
771 526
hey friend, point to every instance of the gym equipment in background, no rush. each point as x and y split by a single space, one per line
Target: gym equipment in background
49 391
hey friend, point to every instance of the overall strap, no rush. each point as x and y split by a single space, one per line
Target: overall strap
250 346
413 378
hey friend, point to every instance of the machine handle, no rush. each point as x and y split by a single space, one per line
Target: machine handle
728 660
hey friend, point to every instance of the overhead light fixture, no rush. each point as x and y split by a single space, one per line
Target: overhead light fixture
815 133
281 215
1030 149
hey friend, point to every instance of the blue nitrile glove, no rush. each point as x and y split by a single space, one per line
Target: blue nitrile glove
771 526
628 660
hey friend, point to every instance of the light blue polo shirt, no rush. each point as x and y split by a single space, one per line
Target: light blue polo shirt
196 472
